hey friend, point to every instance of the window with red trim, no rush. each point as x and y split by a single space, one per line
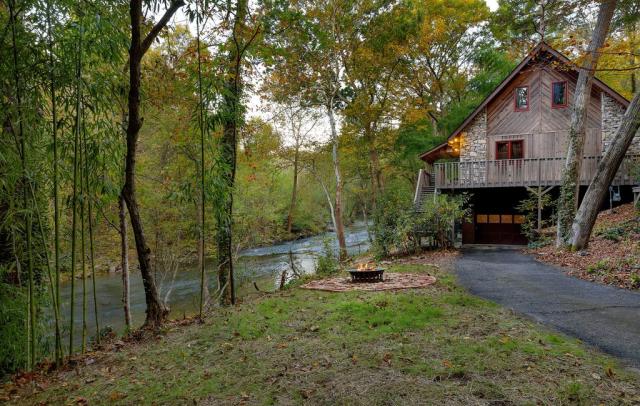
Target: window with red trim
510 149
559 94
521 98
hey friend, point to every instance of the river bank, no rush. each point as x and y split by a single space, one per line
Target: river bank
260 265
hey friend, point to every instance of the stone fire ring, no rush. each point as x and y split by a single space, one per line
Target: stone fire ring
392 281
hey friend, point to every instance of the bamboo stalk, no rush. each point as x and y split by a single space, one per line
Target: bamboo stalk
55 294
83 248
90 224
45 243
201 125
75 187
25 179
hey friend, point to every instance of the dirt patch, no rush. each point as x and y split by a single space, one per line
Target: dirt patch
392 281
613 254
440 258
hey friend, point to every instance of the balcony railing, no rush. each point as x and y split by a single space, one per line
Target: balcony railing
522 172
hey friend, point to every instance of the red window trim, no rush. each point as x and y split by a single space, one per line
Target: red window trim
515 98
566 95
509 153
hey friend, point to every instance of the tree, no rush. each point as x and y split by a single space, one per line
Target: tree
299 122
607 168
156 311
570 184
241 38
311 62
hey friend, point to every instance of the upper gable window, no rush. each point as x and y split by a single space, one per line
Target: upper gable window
522 98
559 94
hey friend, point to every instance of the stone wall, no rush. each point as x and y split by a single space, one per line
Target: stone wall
612 113
474 144
474 148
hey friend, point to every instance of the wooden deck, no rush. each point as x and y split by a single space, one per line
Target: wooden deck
521 172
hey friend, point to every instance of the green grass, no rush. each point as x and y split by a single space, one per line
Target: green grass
431 346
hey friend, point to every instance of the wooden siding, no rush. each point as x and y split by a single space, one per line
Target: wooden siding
549 144
542 127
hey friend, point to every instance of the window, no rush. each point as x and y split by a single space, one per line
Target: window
559 94
510 149
522 98
499 219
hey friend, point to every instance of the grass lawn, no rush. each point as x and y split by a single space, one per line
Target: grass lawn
431 346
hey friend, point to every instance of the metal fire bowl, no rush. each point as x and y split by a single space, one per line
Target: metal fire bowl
372 275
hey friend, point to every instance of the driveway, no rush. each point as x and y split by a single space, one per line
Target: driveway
605 317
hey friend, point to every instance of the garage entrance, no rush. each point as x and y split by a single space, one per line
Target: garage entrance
499 228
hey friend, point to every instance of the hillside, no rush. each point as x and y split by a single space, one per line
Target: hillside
613 254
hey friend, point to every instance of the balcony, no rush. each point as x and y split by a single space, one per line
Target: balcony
521 172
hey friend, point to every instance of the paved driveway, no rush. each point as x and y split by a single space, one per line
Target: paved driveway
603 316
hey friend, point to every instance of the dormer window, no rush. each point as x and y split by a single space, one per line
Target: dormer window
522 98
559 94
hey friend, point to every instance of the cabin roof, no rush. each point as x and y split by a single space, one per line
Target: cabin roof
540 47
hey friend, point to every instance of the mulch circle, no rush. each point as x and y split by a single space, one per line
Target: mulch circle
392 281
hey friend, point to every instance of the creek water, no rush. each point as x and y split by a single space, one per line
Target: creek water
262 265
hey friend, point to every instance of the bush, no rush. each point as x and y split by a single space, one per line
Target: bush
327 261
398 228
529 207
13 323
13 333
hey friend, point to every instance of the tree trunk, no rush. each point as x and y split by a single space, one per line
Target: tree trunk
294 191
328 196
570 186
156 310
204 282
124 258
606 172
338 198
204 285
225 218
233 93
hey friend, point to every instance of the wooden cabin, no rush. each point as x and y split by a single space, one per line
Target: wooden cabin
516 140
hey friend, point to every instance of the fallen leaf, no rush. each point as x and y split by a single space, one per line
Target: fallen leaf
115 396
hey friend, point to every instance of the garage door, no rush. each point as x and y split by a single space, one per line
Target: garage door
501 228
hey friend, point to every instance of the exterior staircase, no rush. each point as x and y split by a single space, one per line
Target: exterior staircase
425 189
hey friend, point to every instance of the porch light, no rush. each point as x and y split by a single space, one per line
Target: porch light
455 143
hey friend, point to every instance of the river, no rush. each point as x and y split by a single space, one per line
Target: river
263 265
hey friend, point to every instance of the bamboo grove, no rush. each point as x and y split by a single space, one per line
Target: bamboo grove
131 141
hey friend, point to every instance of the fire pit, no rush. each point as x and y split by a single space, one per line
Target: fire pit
366 273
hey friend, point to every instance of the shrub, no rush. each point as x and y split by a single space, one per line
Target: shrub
398 228
602 265
529 208
327 263
13 329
